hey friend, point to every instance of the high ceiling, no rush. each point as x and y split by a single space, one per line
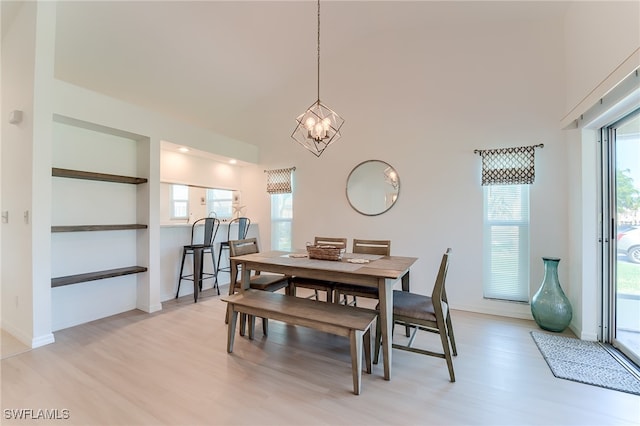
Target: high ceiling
228 65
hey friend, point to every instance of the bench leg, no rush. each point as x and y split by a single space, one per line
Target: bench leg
231 328
377 342
367 350
356 337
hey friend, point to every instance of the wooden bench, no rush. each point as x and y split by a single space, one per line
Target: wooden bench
341 320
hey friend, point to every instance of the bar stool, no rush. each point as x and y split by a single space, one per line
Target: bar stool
242 224
197 250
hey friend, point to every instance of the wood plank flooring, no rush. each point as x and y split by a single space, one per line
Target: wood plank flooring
10 346
172 368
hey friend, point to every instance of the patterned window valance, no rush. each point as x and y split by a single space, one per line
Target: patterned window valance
508 166
279 180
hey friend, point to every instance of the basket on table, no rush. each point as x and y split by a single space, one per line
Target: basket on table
324 252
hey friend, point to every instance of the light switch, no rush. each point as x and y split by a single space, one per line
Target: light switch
15 117
5 216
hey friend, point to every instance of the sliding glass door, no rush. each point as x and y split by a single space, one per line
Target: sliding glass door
621 141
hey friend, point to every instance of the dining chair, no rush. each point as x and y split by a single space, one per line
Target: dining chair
258 281
378 247
319 285
211 226
425 313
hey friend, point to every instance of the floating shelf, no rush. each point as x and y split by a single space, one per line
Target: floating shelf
85 228
92 276
103 177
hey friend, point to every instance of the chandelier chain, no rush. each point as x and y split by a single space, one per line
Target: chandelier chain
318 50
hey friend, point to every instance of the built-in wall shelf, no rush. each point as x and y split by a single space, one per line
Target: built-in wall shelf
99 275
86 228
103 177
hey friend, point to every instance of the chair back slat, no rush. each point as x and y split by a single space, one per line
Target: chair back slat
244 246
330 241
211 225
380 247
439 294
242 223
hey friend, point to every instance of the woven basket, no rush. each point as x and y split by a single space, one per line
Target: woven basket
324 252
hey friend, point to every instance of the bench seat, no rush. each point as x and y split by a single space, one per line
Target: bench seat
340 320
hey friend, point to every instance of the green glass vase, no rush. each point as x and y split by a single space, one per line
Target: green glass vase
550 307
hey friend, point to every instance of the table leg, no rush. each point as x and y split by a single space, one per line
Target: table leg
385 290
356 337
197 268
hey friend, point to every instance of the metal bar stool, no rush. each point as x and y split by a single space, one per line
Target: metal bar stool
242 224
197 250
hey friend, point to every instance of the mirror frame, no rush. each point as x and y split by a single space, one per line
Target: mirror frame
349 178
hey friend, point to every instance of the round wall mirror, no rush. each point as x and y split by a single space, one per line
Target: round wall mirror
373 187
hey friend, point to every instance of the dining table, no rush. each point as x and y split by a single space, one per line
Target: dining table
353 268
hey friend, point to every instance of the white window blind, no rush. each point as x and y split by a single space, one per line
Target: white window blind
506 242
281 221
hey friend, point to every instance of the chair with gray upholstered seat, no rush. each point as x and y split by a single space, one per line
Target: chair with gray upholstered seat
378 247
320 285
426 313
264 282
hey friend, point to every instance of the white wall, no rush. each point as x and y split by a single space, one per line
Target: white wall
599 37
18 50
82 202
462 87
28 85
27 61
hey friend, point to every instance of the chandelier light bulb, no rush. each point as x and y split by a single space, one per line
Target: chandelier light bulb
310 123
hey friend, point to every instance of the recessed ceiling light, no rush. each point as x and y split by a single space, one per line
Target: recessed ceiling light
183 149
233 161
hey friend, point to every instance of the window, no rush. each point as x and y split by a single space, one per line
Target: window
179 202
506 242
281 219
220 202
280 187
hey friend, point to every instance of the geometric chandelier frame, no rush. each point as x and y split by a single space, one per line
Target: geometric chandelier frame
319 126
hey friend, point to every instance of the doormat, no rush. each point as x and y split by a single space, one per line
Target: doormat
585 362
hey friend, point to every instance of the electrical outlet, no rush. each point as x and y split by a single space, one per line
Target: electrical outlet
26 217
5 216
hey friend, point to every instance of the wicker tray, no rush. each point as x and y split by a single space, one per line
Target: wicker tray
324 252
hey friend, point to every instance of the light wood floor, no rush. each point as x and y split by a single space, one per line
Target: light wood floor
172 368
10 346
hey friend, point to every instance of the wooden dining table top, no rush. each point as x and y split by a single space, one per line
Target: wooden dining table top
292 263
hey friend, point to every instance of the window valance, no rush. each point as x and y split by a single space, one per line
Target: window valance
279 180
508 166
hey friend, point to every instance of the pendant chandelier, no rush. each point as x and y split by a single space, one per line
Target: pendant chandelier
319 126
